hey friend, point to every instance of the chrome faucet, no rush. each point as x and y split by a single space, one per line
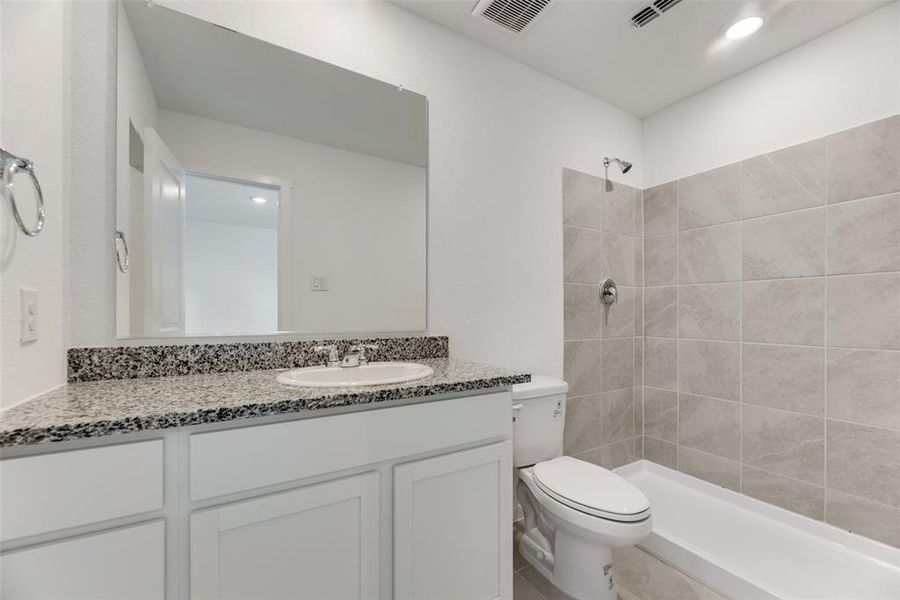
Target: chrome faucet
356 356
334 359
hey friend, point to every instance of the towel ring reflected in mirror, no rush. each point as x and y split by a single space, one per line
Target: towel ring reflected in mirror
12 164
122 250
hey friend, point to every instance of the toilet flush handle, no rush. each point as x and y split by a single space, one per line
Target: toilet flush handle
517 407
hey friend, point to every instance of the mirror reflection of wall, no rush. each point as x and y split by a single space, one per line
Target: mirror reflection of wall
211 123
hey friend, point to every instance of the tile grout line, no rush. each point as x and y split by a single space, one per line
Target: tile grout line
741 332
677 324
825 355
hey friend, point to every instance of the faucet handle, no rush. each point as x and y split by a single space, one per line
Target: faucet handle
334 358
361 351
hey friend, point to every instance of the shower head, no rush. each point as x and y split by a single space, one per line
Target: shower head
624 165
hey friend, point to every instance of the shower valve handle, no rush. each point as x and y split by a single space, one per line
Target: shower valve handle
609 293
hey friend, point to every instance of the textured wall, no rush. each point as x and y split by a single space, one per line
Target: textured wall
772 331
601 238
35 125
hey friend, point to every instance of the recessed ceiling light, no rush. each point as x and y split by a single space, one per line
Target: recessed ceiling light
744 28
259 200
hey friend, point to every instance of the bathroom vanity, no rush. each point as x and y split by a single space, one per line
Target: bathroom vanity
398 491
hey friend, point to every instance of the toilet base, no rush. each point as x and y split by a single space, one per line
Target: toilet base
578 567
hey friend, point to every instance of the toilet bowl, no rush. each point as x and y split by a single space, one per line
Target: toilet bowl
575 512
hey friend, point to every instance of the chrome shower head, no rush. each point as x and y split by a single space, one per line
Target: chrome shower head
624 165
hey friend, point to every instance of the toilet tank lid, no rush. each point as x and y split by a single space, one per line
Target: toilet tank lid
540 385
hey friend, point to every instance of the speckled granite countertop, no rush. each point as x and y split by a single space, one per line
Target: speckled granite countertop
99 408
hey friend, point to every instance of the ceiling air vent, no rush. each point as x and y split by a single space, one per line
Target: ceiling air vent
513 16
648 13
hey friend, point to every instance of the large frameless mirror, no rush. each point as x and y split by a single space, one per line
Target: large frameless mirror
260 190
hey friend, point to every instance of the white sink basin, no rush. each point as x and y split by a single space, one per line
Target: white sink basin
377 373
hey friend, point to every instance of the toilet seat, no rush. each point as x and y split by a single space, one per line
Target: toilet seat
591 489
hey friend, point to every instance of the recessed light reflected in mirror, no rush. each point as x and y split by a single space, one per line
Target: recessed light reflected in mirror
744 28
259 200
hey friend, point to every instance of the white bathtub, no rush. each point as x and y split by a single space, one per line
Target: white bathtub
745 548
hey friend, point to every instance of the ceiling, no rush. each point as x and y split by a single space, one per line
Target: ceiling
202 69
591 45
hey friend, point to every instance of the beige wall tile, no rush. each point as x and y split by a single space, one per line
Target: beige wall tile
864 387
583 424
638 409
864 235
860 516
661 260
710 198
661 414
784 311
581 249
618 320
864 311
617 364
788 179
785 377
864 161
583 312
618 416
581 366
710 255
661 209
618 206
791 494
661 311
714 469
784 443
660 452
710 425
638 311
710 311
613 456
790 245
864 461
661 363
710 369
638 361
616 258
582 199
639 262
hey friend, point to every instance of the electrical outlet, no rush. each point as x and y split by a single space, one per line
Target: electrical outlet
29 316
318 283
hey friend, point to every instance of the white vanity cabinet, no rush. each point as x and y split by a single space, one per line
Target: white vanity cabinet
452 516
406 501
119 564
321 539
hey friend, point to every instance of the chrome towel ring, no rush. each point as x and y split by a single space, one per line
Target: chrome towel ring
12 164
122 263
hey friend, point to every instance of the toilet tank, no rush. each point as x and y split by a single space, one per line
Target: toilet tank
539 413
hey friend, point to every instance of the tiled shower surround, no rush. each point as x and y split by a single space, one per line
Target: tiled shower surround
771 326
602 238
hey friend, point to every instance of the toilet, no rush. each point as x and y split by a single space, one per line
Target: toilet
575 511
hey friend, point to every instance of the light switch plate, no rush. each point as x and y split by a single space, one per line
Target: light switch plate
318 283
29 317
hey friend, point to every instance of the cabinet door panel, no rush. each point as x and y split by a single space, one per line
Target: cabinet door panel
319 542
453 526
120 564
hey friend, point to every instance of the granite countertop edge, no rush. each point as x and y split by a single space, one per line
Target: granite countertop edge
45 419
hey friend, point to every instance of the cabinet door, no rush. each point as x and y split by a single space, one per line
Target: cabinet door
317 542
453 526
120 564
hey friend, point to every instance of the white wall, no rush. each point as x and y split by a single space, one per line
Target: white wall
355 219
231 278
500 134
845 78
34 45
